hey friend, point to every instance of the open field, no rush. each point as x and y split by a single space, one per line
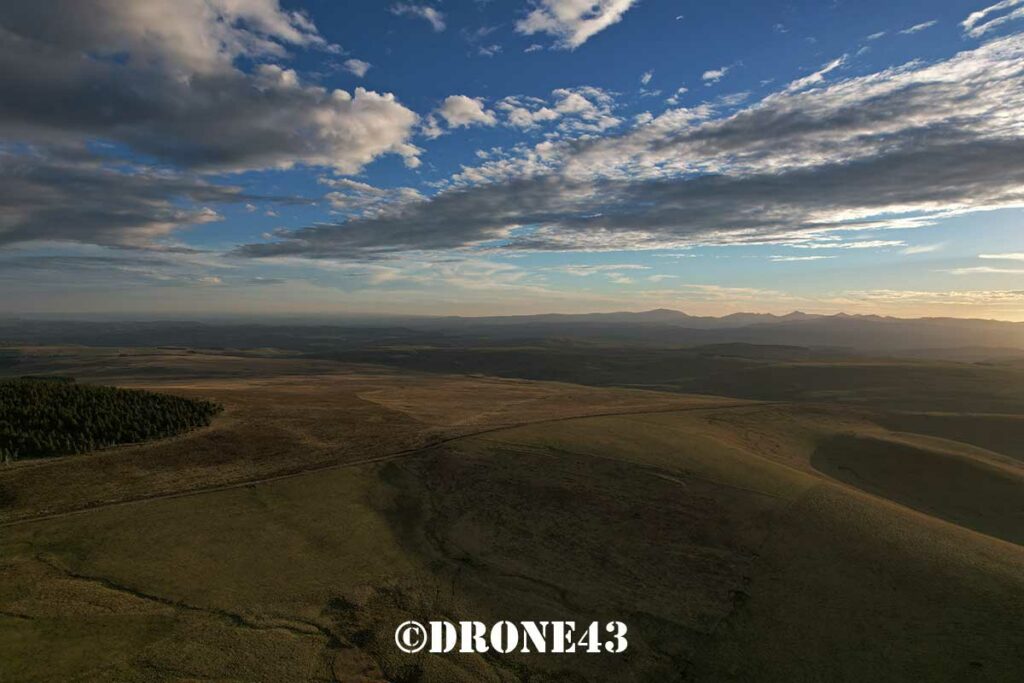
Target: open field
739 370
738 539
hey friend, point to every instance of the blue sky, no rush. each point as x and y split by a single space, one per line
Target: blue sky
473 157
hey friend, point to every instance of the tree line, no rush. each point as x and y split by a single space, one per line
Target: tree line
41 416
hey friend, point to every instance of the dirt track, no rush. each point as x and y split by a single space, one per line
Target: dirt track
365 461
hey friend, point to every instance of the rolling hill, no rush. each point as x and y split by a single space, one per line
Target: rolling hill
739 540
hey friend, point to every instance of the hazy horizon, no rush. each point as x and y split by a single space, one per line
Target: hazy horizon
342 316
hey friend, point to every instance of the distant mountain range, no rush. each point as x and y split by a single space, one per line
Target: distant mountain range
858 332
660 327
664 316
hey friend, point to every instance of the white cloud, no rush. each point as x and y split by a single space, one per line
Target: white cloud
983 270
357 67
1012 256
588 270
433 16
572 22
876 36
922 248
582 109
816 78
78 199
193 36
176 72
431 127
714 75
732 294
899 148
535 47
357 198
780 259
962 297
916 28
473 36
459 111
820 242
521 117
646 78
674 99
974 95
976 26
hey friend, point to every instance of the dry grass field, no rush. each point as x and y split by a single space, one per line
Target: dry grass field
739 540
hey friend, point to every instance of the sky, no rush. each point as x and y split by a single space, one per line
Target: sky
489 157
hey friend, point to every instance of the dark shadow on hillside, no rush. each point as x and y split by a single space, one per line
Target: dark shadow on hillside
955 488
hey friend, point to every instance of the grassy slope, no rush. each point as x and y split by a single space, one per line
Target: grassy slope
724 535
846 586
710 532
